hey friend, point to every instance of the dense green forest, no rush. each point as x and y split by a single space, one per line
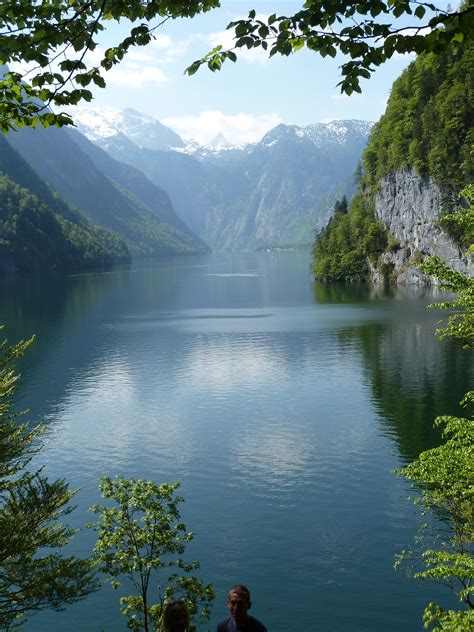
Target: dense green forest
427 127
352 239
39 230
428 123
32 236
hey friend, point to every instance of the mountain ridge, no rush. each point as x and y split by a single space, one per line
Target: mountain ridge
39 230
60 161
271 193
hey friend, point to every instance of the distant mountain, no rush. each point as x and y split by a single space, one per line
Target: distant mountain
272 193
145 131
104 197
323 135
220 141
39 230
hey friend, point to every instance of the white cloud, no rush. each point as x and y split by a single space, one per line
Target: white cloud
161 41
237 128
167 50
94 57
404 56
140 55
135 75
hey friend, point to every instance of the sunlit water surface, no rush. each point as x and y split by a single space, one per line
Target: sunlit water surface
282 407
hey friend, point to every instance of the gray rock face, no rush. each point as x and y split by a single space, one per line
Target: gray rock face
410 206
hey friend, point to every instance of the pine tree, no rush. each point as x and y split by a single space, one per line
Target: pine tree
33 573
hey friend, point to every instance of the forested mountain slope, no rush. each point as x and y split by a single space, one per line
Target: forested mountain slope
418 158
38 230
65 166
135 181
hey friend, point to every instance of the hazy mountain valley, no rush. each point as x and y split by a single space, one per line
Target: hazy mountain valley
264 195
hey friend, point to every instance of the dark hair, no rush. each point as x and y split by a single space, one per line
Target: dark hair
171 610
240 589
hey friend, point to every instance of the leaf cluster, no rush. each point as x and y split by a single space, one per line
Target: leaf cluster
53 37
460 324
141 538
445 476
367 32
460 223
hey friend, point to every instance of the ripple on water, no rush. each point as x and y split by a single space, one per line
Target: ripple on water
281 416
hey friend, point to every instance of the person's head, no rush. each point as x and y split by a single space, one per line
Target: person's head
176 617
238 602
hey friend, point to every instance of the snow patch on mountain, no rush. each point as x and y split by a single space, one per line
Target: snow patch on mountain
112 125
337 132
145 131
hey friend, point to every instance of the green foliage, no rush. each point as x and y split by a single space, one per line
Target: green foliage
428 122
427 126
352 239
366 31
446 474
460 326
33 574
460 223
446 477
38 229
53 37
141 538
47 31
448 620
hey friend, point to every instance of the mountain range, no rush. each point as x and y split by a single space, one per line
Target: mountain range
272 193
122 184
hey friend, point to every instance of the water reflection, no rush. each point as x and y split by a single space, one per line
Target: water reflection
414 377
352 293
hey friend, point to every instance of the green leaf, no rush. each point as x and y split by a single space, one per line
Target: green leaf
420 11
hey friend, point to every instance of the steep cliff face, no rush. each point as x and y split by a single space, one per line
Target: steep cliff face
418 157
410 206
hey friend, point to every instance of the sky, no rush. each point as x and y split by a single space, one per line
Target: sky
244 100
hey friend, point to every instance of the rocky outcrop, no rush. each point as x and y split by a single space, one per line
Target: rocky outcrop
410 206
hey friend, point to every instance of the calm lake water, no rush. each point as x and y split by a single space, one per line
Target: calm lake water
279 404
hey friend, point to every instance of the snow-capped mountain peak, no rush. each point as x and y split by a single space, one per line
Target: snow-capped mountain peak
338 132
145 131
219 141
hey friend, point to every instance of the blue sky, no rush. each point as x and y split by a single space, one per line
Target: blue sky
245 99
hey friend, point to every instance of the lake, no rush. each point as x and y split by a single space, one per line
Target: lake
281 405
